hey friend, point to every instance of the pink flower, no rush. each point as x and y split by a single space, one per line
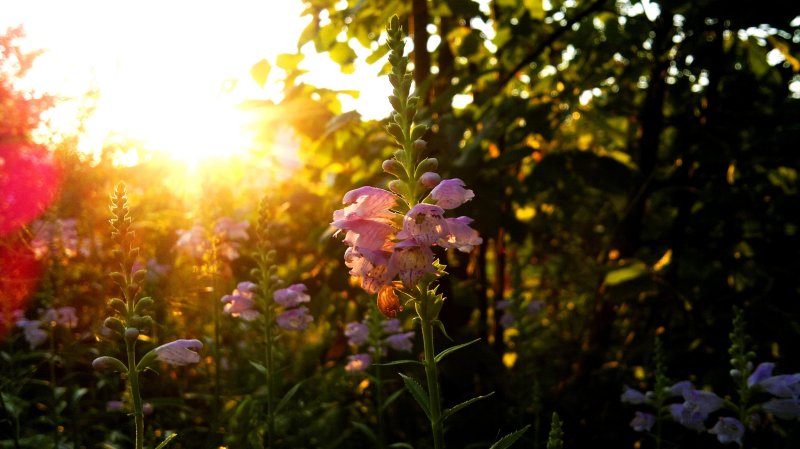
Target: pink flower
366 234
411 260
425 224
368 202
291 296
450 193
356 333
295 319
179 352
242 302
228 229
192 242
401 342
460 235
372 267
357 363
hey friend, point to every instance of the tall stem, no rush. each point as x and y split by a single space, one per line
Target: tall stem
215 307
270 358
431 372
137 399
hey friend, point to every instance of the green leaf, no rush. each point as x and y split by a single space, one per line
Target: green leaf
261 368
288 396
260 72
400 362
626 274
401 445
166 441
452 349
366 431
393 397
419 394
508 440
440 325
457 408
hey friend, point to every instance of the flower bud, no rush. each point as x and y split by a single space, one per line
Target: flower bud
429 164
118 305
389 302
139 276
393 167
430 179
397 186
115 325
131 334
143 304
118 277
106 362
735 373
420 145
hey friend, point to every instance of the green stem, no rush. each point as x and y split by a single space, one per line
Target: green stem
133 378
216 308
270 358
431 372
52 366
379 399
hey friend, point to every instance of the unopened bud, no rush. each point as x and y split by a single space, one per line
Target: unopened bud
420 145
428 164
393 167
131 334
397 186
115 325
430 179
735 373
106 362
139 276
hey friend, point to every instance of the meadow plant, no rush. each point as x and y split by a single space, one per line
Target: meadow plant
391 233
131 317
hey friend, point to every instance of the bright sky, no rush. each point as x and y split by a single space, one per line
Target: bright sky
165 69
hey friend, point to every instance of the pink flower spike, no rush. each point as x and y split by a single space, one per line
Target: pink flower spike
450 193
368 202
425 224
179 352
295 319
460 235
291 296
411 261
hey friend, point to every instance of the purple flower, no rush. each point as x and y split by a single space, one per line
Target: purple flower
450 193
356 333
192 242
680 388
534 307
295 319
503 304
411 260
242 302
783 408
64 316
782 386
34 334
291 296
696 407
681 415
228 229
115 406
728 430
357 363
762 371
643 422
147 408
392 326
401 342
507 320
425 224
459 235
179 352
632 396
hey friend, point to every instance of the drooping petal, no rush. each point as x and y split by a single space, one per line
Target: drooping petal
368 234
643 422
425 224
291 296
762 371
450 193
728 430
460 235
782 386
179 352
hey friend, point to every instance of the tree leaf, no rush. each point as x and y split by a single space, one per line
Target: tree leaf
457 408
452 349
260 72
508 440
418 392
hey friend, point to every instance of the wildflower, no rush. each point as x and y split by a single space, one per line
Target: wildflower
356 333
295 319
367 202
430 179
425 224
357 363
64 316
680 388
242 302
783 408
643 422
389 302
411 260
291 296
728 430
192 242
687 419
366 234
228 229
392 326
370 266
696 407
34 335
450 193
179 352
503 304
632 396
762 371
401 342
460 236
782 386
507 320
147 408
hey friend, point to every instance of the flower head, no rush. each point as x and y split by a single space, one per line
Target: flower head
291 296
450 193
357 363
411 260
728 430
762 371
179 352
392 326
401 342
460 236
372 267
242 302
642 422
425 224
356 333
294 319
783 408
632 396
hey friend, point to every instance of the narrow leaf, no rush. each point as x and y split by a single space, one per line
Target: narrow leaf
508 440
440 325
261 368
401 445
288 396
400 362
366 431
418 392
391 399
456 408
166 441
452 349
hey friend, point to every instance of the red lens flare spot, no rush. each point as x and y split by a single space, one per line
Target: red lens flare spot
29 182
19 272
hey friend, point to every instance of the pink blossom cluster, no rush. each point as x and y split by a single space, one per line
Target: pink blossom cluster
383 244
34 331
391 336
241 303
228 232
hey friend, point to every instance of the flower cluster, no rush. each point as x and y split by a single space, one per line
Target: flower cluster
34 331
383 244
698 405
227 233
242 303
389 335
60 233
